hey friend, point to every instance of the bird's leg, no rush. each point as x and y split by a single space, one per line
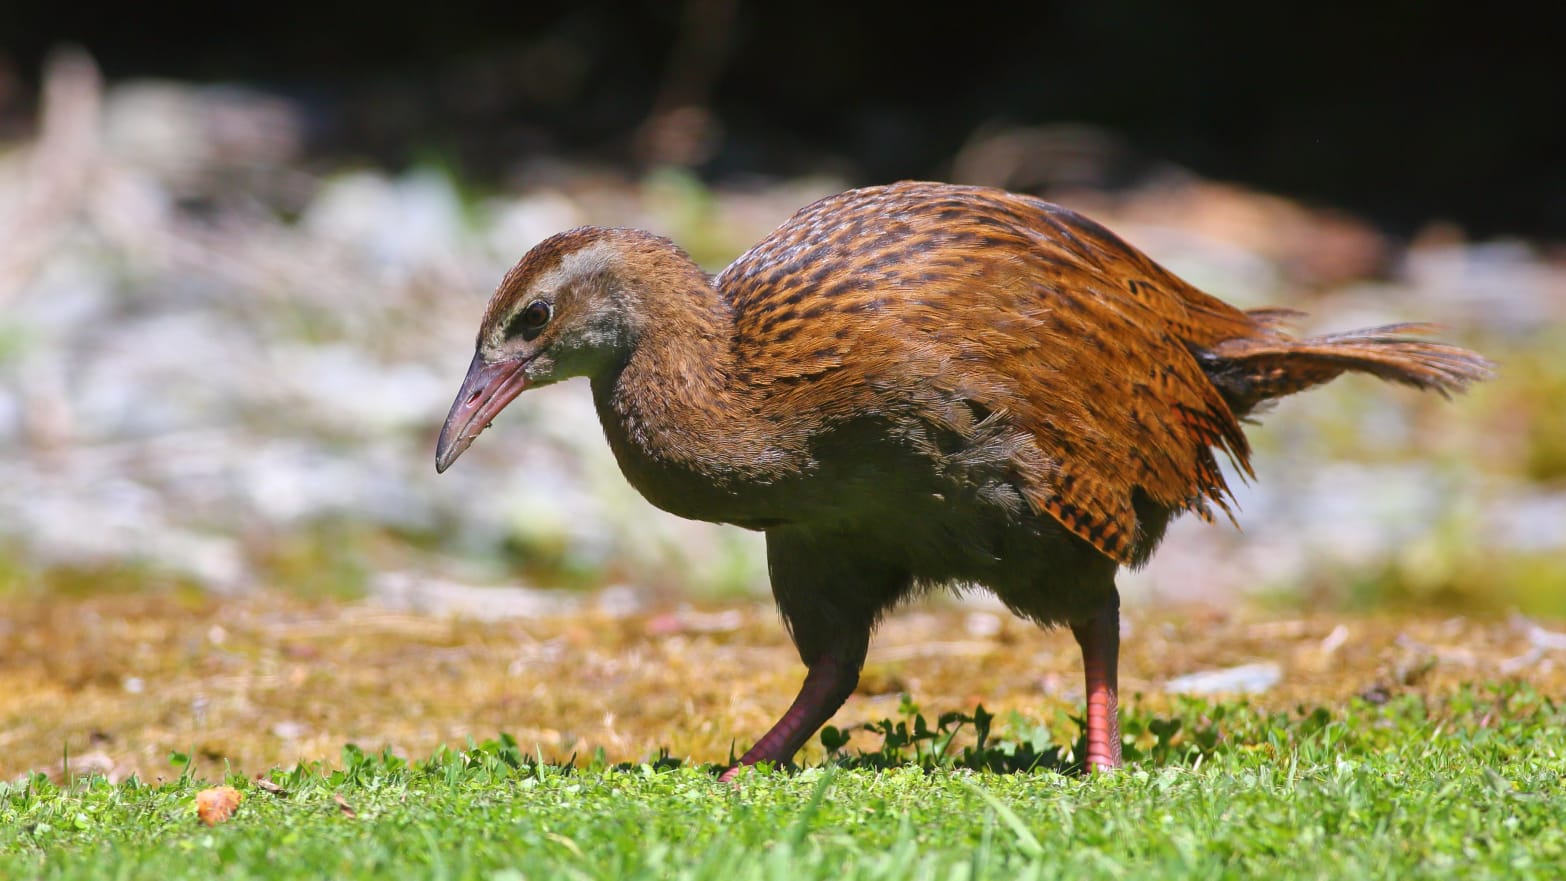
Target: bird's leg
1099 638
827 685
830 594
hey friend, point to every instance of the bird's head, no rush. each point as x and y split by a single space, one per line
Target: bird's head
562 311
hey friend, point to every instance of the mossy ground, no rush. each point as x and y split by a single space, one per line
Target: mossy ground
114 683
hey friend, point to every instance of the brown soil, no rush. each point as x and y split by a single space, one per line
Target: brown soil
265 680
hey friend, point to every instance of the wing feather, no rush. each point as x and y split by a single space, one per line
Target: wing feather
1030 311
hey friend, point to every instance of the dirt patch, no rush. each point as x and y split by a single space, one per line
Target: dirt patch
249 683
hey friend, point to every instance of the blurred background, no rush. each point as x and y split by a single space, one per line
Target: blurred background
243 252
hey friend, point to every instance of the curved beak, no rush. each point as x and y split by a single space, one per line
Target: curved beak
486 390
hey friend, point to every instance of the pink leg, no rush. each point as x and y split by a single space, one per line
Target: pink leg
827 686
1100 642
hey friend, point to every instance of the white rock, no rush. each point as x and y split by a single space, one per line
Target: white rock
1244 679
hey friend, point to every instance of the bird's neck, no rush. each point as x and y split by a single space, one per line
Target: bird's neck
684 425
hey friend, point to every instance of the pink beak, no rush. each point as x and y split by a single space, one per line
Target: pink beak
486 390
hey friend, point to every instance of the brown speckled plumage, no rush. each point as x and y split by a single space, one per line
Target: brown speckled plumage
912 385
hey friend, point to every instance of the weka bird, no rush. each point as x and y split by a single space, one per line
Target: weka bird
916 385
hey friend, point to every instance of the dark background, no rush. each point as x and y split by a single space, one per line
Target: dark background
1403 111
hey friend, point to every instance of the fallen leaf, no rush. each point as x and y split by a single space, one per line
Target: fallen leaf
217 804
345 807
268 786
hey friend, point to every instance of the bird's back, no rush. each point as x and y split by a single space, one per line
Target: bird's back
1004 322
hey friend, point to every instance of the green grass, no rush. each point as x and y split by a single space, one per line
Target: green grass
1469 787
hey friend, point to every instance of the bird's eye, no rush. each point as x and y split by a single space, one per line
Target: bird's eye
536 314
531 320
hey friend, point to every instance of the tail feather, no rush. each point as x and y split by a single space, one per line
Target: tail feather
1251 371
